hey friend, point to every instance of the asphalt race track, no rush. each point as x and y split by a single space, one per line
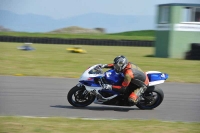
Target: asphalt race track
46 97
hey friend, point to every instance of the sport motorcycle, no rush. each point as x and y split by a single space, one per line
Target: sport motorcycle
91 89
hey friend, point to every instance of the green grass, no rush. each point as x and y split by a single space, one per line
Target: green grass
137 33
54 61
133 35
65 125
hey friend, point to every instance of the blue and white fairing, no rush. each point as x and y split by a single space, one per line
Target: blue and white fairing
87 78
156 77
113 78
110 76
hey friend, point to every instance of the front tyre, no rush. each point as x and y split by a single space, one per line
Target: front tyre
79 97
151 99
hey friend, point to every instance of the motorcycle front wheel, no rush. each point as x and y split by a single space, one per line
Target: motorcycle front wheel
79 97
151 99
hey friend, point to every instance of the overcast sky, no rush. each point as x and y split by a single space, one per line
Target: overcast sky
67 8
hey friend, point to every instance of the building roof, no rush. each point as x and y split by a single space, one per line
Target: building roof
179 4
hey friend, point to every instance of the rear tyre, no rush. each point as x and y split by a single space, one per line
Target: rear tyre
79 97
151 99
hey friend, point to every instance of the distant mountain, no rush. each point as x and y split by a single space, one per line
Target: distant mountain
76 30
4 29
40 23
27 22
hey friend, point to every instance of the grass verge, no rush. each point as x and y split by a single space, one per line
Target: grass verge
54 61
65 125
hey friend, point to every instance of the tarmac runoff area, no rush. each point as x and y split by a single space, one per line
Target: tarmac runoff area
47 97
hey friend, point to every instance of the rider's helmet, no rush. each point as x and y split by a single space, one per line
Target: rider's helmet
120 62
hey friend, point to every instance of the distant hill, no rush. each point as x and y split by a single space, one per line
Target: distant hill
4 29
130 35
137 33
41 23
76 30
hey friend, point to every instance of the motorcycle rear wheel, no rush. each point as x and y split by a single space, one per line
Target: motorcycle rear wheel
151 99
77 98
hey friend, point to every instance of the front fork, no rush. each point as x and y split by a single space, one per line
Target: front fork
85 93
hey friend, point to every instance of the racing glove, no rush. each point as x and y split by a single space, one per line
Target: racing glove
107 86
102 65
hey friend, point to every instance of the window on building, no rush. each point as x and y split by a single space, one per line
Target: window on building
164 14
191 14
197 15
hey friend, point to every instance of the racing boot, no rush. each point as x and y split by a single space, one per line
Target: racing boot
134 96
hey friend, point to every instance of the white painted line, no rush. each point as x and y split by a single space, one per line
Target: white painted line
98 119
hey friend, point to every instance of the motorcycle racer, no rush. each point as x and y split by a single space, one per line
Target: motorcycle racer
132 75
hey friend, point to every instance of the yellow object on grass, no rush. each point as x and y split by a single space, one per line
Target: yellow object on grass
76 50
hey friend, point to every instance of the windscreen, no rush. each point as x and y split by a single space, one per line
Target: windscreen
96 70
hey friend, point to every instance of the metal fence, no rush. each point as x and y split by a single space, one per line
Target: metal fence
75 41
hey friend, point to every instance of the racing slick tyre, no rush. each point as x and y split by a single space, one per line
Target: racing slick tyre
151 99
79 97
